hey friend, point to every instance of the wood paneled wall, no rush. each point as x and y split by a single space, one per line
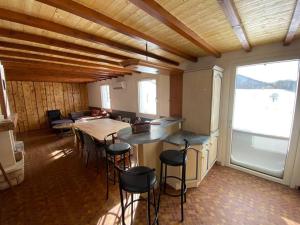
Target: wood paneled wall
31 100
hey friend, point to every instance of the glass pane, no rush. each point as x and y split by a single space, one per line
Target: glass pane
264 105
147 96
105 99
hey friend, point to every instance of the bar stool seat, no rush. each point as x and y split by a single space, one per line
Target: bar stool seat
133 185
118 148
172 157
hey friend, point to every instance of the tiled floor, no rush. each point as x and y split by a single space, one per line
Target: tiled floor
58 189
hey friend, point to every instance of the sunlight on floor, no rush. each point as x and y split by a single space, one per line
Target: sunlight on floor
113 216
56 154
290 222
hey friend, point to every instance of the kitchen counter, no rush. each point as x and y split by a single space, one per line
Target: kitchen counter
194 139
158 132
149 145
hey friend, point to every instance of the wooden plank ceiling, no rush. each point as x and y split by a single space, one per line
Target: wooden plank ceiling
85 40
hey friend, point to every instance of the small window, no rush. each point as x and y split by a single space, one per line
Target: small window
105 99
147 96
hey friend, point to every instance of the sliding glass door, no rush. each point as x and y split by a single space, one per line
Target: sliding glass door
263 115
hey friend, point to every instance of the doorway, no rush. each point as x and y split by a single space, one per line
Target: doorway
263 114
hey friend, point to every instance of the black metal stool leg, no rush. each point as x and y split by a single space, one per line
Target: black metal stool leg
148 208
107 176
160 184
182 191
131 208
122 206
184 183
155 207
165 183
129 158
114 163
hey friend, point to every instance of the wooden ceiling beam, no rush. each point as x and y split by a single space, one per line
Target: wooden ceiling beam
157 11
235 21
38 71
14 75
54 52
60 60
294 25
66 74
64 30
103 20
22 63
57 43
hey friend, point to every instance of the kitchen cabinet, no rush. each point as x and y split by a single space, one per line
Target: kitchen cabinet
213 150
201 100
198 157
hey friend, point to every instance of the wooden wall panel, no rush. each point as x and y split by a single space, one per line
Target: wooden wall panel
70 96
66 97
176 85
30 105
31 100
76 96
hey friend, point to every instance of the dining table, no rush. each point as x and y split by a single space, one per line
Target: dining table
99 128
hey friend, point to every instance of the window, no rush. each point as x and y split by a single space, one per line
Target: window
105 99
147 96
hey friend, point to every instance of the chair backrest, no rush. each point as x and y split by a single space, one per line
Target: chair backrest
53 115
186 147
110 139
88 141
79 134
143 176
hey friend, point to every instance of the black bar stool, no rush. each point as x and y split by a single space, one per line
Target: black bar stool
174 158
113 151
138 180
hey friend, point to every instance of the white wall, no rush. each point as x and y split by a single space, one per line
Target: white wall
229 62
127 99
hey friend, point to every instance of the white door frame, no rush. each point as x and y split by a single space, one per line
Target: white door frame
294 139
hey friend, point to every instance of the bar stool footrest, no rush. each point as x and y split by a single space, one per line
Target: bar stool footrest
142 199
174 195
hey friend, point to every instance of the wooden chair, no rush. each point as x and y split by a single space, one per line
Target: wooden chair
91 145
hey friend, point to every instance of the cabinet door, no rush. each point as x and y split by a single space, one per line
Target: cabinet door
197 101
213 150
216 96
194 171
204 168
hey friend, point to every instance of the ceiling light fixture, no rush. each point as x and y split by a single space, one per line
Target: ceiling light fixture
145 66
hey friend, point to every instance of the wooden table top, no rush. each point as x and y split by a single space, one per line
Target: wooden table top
100 128
63 126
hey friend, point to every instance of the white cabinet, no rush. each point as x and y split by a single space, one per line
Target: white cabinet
212 151
204 162
201 100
